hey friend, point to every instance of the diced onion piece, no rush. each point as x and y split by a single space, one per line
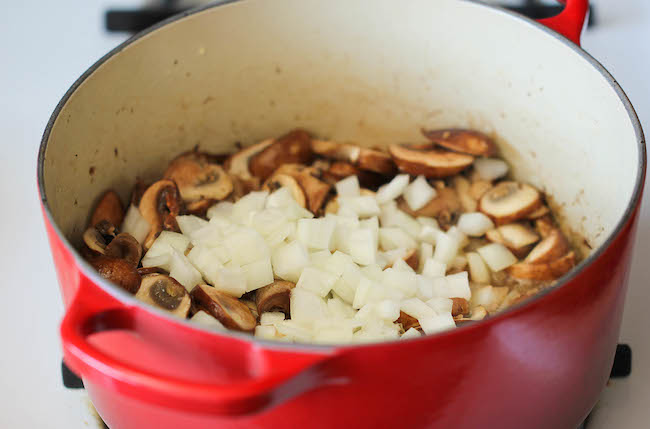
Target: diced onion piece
440 305
251 202
419 193
446 249
399 219
490 168
306 306
429 234
135 224
393 189
475 224
204 319
222 209
415 307
452 286
167 241
362 246
317 281
294 331
404 281
373 225
266 332
206 260
478 271
160 261
258 274
395 238
373 272
268 221
401 265
246 246
434 268
497 256
348 187
289 260
339 309
182 270
347 284
459 263
489 297
189 224
428 221
411 333
337 263
362 206
437 323
425 286
316 233
362 293
280 199
271 317
387 310
230 280
426 252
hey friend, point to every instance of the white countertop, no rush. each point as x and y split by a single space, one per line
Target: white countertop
45 46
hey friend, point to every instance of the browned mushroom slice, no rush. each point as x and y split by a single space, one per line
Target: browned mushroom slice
467 201
124 246
376 161
445 207
143 271
339 170
198 179
200 207
109 208
274 297
542 211
159 206
95 241
463 141
316 191
292 148
118 271
166 293
460 307
232 313
364 158
543 271
278 181
479 188
514 236
510 201
544 225
238 163
332 206
432 162
407 321
412 259
549 249
138 191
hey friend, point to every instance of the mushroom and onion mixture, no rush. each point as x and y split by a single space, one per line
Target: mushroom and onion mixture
298 239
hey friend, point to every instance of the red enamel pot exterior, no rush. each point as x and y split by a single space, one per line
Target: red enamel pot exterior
539 365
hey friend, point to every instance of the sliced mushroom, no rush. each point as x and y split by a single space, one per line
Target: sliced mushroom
412 259
445 207
109 208
143 271
407 321
166 293
545 225
478 313
549 249
238 163
543 271
316 191
274 297
197 178
118 271
138 191
510 201
124 246
460 307
160 204
479 188
514 236
340 170
200 207
467 201
542 211
361 157
252 307
278 181
232 313
292 148
97 237
431 162
463 141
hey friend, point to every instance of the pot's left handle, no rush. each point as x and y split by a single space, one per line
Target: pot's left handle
570 21
91 312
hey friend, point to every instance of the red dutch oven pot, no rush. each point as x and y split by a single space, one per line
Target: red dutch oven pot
372 71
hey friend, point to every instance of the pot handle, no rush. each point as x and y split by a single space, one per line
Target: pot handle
570 21
93 310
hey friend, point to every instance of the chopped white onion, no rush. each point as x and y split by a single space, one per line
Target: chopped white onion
135 224
316 233
392 189
348 187
204 319
475 224
317 281
410 333
258 274
289 260
490 168
271 317
478 271
419 193
437 323
497 256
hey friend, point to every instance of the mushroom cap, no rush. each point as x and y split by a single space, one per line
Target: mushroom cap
197 178
94 240
118 271
278 181
552 247
514 236
274 297
166 293
315 190
293 147
160 204
460 307
510 201
461 140
232 313
430 162
109 208
124 246
238 163
376 161
543 271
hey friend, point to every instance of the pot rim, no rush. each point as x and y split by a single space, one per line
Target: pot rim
126 298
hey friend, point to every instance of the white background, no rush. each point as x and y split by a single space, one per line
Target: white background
45 46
